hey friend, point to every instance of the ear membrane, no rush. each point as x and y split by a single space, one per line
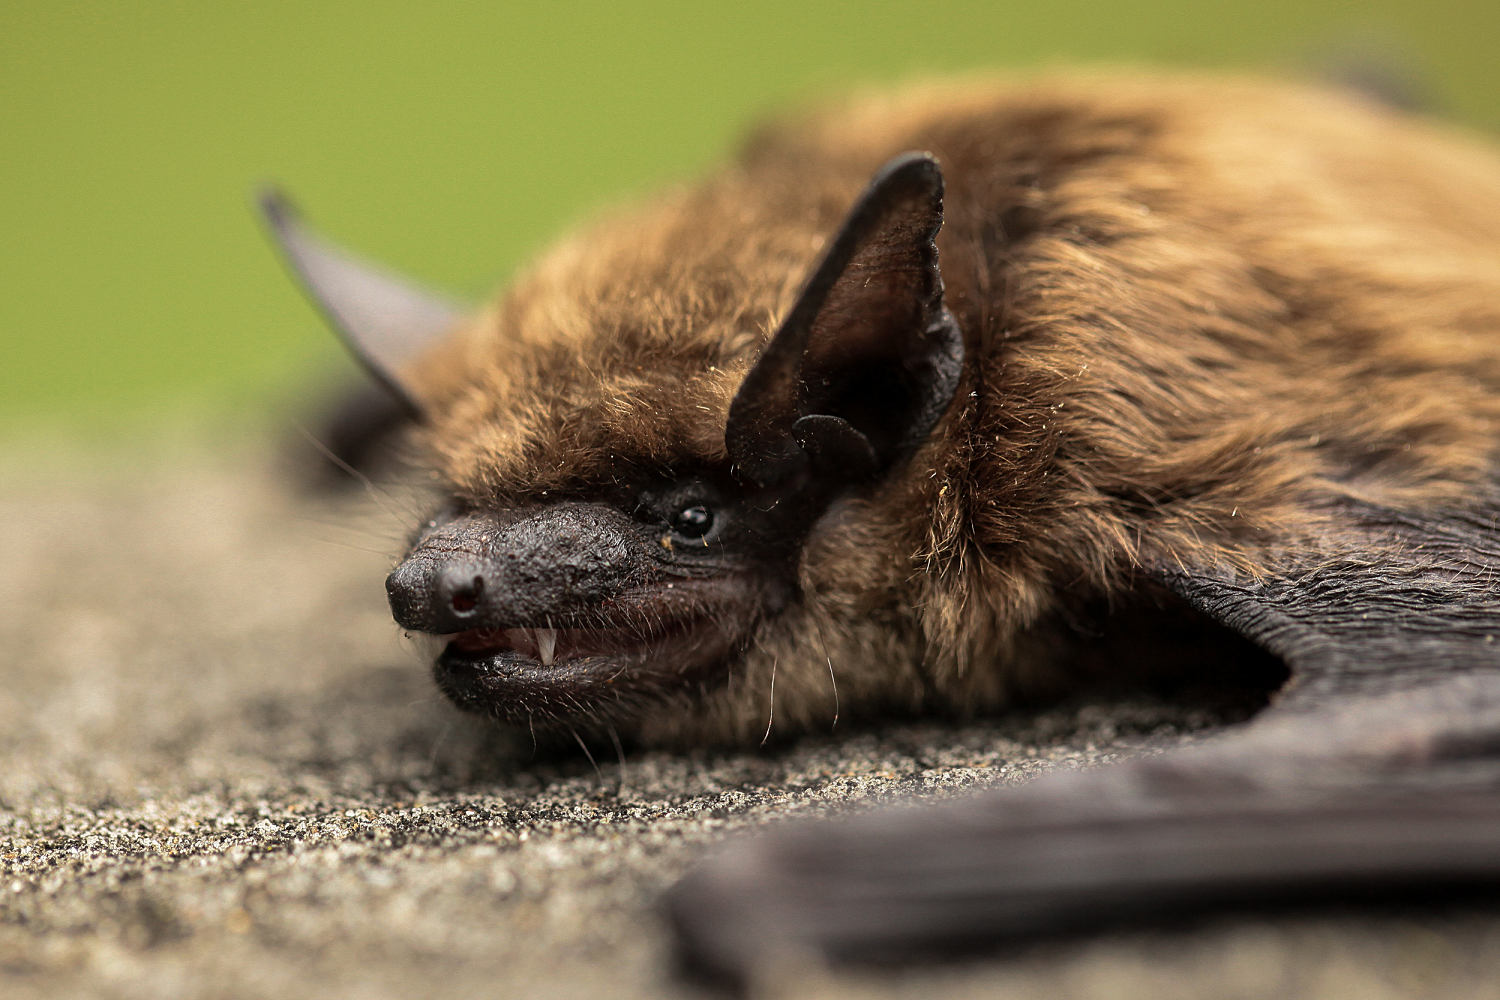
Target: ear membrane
384 319
869 357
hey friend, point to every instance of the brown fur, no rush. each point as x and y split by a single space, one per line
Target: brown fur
1196 310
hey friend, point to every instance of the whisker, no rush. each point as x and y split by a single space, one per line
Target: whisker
348 524
614 736
585 748
818 627
356 548
771 716
377 494
437 745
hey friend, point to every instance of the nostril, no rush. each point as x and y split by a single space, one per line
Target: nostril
466 596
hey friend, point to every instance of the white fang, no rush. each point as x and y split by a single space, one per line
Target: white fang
546 644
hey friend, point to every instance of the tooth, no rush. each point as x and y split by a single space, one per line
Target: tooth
546 644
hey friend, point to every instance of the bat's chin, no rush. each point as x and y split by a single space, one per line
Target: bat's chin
543 676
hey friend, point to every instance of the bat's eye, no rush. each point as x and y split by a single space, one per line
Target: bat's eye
693 522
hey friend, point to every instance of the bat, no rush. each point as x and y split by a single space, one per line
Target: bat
944 400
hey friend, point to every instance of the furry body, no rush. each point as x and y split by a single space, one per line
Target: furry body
1199 375
1200 317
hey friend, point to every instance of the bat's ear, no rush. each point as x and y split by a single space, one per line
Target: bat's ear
385 320
869 357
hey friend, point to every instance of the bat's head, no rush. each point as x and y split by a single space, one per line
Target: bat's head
637 442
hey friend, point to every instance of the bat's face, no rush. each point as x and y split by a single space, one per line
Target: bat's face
594 607
637 442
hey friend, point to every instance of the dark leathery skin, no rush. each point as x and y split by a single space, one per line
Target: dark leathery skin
553 566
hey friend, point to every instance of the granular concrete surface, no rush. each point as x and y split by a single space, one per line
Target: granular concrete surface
227 775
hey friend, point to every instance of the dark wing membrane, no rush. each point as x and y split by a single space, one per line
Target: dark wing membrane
1394 601
1372 777
1069 856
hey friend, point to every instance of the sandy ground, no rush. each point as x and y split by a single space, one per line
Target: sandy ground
226 775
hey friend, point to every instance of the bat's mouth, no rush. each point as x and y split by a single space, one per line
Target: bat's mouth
542 675
546 646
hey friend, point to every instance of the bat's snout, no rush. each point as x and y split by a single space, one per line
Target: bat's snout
443 597
555 565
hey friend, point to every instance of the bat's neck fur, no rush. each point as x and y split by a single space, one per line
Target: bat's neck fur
1153 375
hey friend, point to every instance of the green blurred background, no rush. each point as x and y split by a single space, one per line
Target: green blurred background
453 139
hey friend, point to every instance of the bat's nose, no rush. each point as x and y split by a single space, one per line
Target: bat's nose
553 564
428 596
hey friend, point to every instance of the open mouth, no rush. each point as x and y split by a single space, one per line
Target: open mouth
547 646
541 675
